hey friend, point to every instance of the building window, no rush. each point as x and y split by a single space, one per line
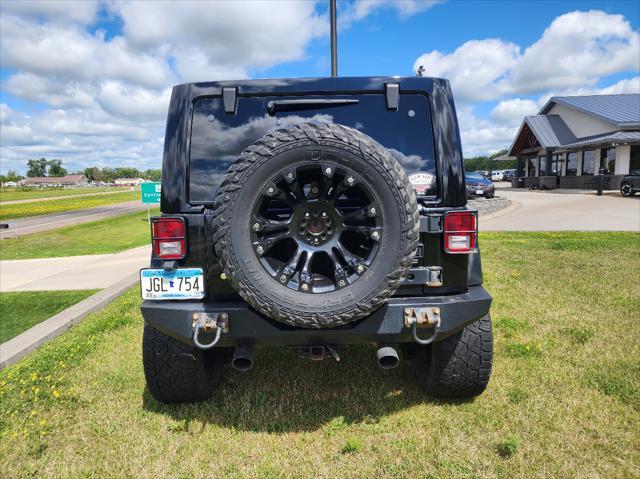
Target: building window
531 167
608 160
572 164
556 165
542 165
634 160
588 162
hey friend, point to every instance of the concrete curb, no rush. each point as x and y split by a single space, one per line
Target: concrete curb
515 205
18 347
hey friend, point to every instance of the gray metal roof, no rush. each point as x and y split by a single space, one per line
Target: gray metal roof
613 137
620 110
550 130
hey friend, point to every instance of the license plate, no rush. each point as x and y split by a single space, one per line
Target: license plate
187 283
479 192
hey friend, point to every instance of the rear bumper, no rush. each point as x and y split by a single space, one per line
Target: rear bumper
385 325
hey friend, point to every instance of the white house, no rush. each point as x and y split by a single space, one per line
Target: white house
128 181
56 181
574 138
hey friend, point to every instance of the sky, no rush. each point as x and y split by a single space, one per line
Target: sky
89 81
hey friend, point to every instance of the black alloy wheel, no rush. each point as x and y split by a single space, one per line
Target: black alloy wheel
316 228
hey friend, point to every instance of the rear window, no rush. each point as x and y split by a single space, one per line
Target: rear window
217 139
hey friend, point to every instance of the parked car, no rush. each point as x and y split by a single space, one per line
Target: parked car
497 175
509 174
302 230
484 173
630 184
478 185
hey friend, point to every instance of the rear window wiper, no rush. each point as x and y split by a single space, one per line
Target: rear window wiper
293 105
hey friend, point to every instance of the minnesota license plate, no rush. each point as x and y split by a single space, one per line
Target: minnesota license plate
479 192
187 283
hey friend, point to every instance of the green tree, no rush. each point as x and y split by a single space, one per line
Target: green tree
36 167
153 175
108 174
93 173
127 172
56 168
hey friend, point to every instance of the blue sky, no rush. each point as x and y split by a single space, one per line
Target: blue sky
88 82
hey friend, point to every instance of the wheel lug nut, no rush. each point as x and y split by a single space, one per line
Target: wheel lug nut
283 279
305 287
260 249
270 190
328 171
342 283
307 215
372 211
375 235
290 176
350 180
256 227
324 214
316 241
359 268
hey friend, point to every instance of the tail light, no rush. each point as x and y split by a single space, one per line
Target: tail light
461 232
168 238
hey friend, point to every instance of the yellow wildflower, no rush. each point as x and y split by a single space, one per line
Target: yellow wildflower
34 412
43 422
56 393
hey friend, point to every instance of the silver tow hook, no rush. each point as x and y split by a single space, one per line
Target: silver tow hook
422 316
206 323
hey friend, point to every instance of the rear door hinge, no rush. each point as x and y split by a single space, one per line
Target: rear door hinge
230 99
392 95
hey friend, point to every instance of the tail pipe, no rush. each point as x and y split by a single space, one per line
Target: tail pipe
242 358
387 357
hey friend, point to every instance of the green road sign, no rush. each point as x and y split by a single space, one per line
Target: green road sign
150 193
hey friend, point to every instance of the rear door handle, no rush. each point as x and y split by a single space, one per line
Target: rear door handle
293 105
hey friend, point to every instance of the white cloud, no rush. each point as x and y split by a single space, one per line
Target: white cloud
227 37
511 112
404 8
84 11
474 68
576 50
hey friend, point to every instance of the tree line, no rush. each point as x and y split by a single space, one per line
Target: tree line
488 163
43 167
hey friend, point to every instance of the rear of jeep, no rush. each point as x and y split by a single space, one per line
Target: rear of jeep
314 213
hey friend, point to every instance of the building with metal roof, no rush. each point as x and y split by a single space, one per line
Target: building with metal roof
576 138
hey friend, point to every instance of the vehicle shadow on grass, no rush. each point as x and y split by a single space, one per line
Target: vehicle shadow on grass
284 393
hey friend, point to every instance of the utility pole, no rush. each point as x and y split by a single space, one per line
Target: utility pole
334 39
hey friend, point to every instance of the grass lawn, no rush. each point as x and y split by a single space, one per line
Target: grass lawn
36 208
11 194
110 235
19 311
563 401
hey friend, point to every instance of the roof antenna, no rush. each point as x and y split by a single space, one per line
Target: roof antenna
334 39
421 70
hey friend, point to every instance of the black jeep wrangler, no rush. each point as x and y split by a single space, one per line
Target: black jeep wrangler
314 213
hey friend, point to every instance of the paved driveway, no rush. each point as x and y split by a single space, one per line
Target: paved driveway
544 211
36 224
72 272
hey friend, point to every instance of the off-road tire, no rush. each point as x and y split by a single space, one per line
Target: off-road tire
626 189
460 365
176 372
292 307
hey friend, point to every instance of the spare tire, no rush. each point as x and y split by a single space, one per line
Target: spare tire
315 225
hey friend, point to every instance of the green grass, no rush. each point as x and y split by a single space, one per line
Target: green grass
110 235
19 311
11 194
78 407
36 208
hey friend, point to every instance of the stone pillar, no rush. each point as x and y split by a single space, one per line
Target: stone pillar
623 159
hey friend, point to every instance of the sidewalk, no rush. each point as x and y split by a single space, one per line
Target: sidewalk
72 272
